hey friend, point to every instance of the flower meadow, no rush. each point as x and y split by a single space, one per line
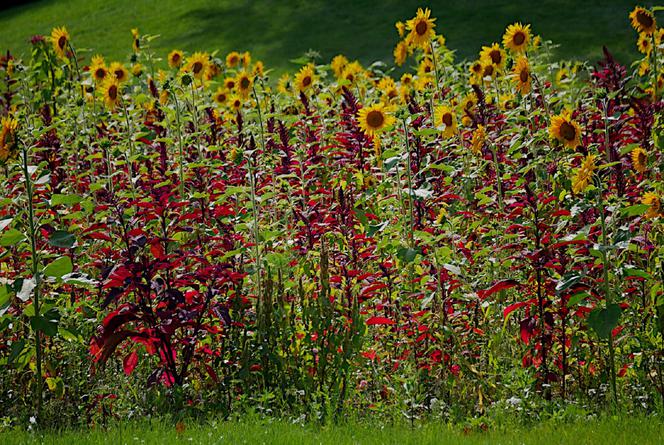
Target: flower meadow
430 238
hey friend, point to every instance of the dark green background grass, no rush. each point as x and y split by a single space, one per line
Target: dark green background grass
277 31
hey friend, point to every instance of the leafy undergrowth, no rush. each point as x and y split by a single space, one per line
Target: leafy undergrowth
465 238
604 431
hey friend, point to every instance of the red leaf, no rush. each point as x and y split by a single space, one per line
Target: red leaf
130 362
501 285
379 321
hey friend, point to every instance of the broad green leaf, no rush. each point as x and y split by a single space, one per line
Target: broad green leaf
45 325
604 320
59 267
58 199
11 237
61 238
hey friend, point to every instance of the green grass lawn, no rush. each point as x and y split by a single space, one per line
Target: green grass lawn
277 31
608 431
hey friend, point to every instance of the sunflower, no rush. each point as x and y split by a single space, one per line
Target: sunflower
476 70
197 64
584 174
285 84
421 28
98 68
374 119
8 127
233 59
244 81
229 83
562 76
565 129
352 72
305 78
489 72
644 68
479 137
235 102
400 53
137 69
60 40
136 45
246 58
175 58
259 69
655 204
521 75
401 28
426 67
338 64
406 79
644 44
639 159
643 20
494 55
111 92
446 118
517 37
388 88
221 96
118 71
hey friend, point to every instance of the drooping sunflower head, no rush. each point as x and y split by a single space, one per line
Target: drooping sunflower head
426 67
98 68
111 92
446 121
259 69
197 64
8 142
233 59
517 38
565 130
401 28
246 59
136 45
562 76
644 68
521 75
421 28
244 81
654 203
60 40
643 21
639 160
175 58
285 84
221 96
400 52
305 78
353 72
338 64
584 174
388 88
494 55
118 71
374 119
137 69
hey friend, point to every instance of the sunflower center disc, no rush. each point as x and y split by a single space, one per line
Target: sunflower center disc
519 38
375 119
421 28
644 19
567 131
447 119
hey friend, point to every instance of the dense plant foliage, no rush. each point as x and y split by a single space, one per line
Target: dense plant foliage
463 236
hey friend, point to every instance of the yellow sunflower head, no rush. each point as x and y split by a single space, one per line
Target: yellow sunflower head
494 55
479 137
111 92
639 160
643 21
235 102
136 45
244 82
644 67
565 130
8 141
338 64
446 120
374 119
221 96
98 69
521 75
305 78
285 84
118 71
562 76
400 53
584 174
421 28
401 28
137 69
654 203
517 38
175 58
60 41
259 69
197 64
426 67
246 59
644 44
233 59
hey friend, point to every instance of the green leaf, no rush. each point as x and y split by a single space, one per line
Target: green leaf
59 267
633 272
576 299
635 210
406 254
58 199
41 323
61 238
566 282
11 237
603 321
4 299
